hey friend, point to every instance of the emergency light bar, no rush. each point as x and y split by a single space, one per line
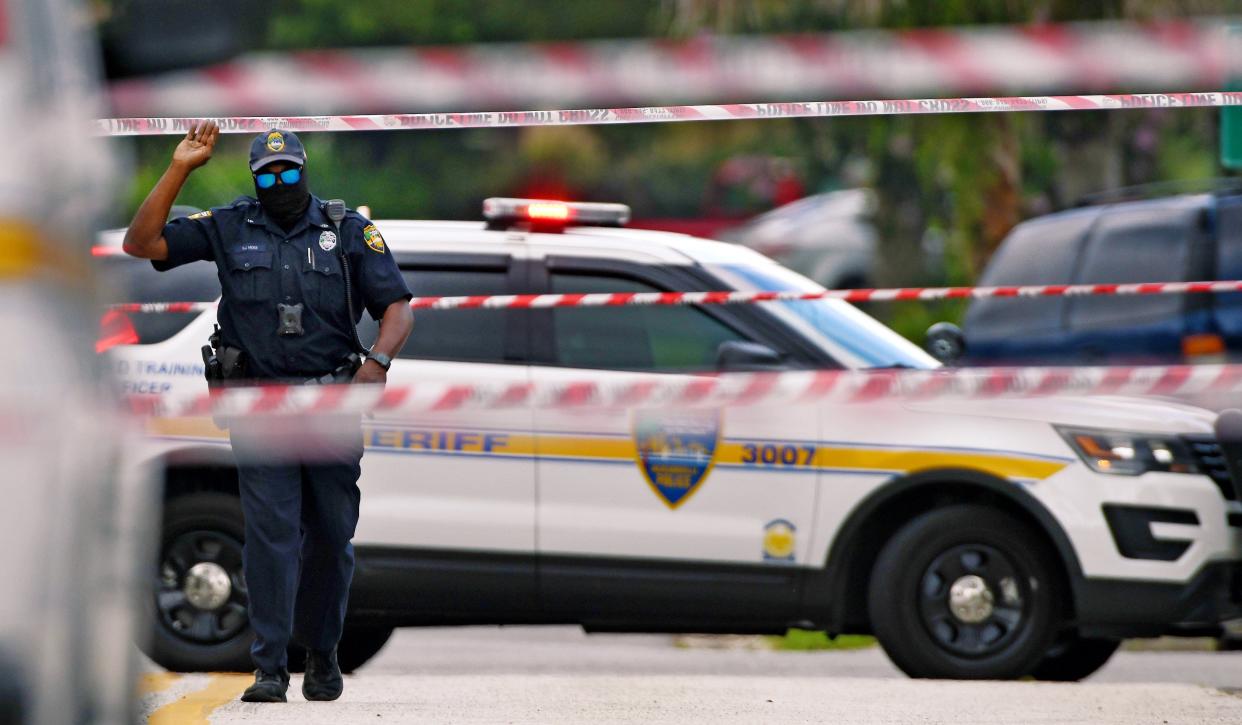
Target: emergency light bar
502 212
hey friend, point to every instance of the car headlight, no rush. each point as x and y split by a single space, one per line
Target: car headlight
1129 454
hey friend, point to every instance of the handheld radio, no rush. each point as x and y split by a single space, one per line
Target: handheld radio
335 210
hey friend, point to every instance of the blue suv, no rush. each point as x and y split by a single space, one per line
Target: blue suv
1174 238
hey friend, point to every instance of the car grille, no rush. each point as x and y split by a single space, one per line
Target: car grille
1212 460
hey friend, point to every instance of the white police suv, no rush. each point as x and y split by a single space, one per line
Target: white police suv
975 539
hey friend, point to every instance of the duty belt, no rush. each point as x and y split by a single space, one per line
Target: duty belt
342 374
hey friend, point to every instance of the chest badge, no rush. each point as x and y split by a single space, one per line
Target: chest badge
676 450
327 241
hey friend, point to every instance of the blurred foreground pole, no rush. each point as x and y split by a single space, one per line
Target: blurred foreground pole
68 546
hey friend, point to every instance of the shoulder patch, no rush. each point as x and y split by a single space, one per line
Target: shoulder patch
372 237
200 215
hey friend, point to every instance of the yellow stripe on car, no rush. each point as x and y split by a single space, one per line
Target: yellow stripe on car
564 446
914 461
803 455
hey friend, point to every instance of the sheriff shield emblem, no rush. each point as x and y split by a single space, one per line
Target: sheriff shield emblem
676 450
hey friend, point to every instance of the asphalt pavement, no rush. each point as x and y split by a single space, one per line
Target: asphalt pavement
559 674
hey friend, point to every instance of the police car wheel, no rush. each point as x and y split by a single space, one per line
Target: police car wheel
964 592
1075 658
198 608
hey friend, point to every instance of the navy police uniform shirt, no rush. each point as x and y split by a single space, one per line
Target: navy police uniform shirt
261 265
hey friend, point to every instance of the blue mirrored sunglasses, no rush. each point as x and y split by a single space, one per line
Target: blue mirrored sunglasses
287 177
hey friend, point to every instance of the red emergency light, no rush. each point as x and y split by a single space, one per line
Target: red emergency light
548 211
115 328
546 215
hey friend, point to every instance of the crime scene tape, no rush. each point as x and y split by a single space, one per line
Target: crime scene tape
670 114
635 390
639 299
1043 58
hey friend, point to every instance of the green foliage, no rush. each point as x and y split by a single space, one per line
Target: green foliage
327 23
794 16
802 640
223 179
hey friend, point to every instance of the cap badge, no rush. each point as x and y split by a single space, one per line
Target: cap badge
275 141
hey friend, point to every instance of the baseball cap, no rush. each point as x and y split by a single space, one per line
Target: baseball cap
276 145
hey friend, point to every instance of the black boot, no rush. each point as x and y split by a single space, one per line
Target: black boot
322 680
267 687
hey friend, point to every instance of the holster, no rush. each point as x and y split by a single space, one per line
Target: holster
222 364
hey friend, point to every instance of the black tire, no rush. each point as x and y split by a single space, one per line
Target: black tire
967 548
1075 658
359 644
217 518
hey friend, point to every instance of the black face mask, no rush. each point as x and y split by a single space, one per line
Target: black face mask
285 204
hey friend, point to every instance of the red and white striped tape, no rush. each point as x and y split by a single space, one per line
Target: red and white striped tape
669 114
622 391
1045 58
641 299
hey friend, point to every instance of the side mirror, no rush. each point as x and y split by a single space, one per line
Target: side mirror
945 342
738 356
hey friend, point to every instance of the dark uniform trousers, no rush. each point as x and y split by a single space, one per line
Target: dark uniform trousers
300 516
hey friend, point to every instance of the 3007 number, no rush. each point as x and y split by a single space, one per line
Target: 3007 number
778 455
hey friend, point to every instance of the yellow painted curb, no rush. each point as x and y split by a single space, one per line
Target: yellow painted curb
153 682
196 707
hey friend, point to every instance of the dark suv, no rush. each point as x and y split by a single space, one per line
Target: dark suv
1174 238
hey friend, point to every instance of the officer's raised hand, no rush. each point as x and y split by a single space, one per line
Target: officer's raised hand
195 149
145 236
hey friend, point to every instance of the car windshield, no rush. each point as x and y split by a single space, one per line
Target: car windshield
849 335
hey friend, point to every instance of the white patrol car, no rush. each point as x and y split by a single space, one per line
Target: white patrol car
976 539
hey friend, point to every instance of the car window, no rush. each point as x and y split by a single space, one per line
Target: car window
135 280
1147 242
1229 265
849 336
1041 251
459 335
633 338
1229 234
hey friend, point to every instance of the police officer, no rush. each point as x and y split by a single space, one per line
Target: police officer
284 314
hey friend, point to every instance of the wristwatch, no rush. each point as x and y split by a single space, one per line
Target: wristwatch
379 357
